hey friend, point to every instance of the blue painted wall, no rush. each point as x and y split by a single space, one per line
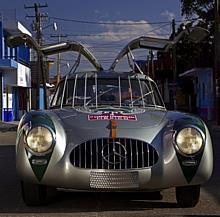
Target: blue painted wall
9 57
1 40
205 98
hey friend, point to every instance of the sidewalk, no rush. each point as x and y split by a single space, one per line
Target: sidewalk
8 126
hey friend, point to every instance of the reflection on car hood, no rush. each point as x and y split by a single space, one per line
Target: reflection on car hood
81 126
138 119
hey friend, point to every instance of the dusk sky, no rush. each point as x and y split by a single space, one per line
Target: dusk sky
129 19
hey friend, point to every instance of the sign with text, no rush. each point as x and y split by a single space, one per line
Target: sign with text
112 116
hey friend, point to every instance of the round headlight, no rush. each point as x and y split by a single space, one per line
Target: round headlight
189 140
39 139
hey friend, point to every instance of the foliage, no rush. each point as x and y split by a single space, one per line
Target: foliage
201 8
191 55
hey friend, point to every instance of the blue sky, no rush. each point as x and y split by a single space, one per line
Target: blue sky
104 40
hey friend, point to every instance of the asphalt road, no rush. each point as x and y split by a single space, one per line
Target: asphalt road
101 204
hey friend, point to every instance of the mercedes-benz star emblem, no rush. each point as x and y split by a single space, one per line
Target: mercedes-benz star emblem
114 153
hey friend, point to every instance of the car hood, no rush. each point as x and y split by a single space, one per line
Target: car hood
81 126
141 119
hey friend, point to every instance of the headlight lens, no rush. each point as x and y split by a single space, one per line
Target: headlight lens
39 139
189 140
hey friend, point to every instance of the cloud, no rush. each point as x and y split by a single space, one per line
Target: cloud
109 41
123 31
100 14
168 14
96 11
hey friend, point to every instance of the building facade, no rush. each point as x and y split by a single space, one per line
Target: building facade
15 74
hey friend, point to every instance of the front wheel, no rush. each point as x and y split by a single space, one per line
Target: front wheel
188 196
34 194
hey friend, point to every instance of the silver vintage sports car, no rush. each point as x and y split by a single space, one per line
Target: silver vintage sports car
110 131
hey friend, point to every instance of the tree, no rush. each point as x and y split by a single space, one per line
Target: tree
200 8
197 55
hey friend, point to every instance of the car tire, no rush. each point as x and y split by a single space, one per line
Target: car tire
188 196
34 194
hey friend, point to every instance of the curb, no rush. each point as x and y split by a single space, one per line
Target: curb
5 127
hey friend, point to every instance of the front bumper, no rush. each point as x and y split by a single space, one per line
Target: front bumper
164 174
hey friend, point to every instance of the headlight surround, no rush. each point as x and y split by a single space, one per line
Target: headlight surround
39 139
189 140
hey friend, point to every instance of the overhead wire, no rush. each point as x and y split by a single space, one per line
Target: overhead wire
106 46
117 22
108 23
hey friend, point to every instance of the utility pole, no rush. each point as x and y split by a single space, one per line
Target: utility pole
38 28
216 74
59 36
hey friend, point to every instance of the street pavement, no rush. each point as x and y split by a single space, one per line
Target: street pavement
8 126
8 133
102 204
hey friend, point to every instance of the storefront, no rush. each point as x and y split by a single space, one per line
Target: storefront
16 92
15 75
202 79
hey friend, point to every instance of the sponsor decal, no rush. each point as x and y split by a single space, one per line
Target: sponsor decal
112 116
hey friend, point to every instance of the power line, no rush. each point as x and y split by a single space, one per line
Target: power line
108 23
120 34
118 22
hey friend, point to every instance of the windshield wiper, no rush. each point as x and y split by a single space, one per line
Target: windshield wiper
100 94
146 94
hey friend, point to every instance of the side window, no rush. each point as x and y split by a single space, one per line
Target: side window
157 97
68 97
58 95
79 94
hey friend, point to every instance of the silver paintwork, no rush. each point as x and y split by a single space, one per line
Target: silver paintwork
152 124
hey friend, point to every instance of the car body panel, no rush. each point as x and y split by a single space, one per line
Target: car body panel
156 127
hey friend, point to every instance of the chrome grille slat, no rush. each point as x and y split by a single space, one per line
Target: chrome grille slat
131 153
108 156
80 156
74 155
120 154
142 149
126 159
91 151
116 154
85 154
137 152
97 153
148 158
102 158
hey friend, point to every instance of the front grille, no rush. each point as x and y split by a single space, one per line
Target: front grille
108 153
114 180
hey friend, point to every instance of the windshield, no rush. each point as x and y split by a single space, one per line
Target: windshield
98 92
